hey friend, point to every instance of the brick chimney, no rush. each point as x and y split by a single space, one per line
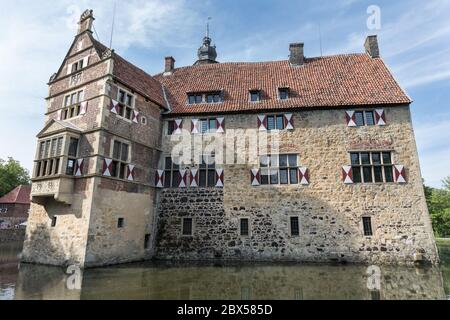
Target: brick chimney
86 20
296 57
169 65
371 46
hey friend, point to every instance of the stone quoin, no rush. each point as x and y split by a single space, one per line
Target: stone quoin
310 159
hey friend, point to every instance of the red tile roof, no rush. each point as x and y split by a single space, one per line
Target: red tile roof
332 81
133 76
20 194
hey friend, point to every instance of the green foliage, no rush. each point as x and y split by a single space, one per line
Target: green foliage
12 174
446 183
438 201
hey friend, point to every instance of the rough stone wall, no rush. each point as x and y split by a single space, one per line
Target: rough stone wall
330 212
109 244
65 243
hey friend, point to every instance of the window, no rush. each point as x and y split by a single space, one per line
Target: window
371 167
255 95
73 150
283 93
49 157
208 125
279 169
126 104
295 228
147 241
186 227
53 222
367 226
172 173
275 122
244 227
207 172
120 223
76 66
72 104
194 98
213 97
120 159
143 120
170 127
208 97
364 118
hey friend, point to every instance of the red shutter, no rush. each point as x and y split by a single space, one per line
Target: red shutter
183 176
107 167
159 178
113 106
194 177
350 118
303 175
130 175
262 123
347 174
399 173
219 178
83 107
178 126
255 177
220 125
288 121
194 126
380 117
79 167
135 116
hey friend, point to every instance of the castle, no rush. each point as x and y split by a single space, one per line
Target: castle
306 159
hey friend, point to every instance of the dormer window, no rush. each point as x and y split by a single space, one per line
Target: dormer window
205 97
195 98
283 93
255 95
213 97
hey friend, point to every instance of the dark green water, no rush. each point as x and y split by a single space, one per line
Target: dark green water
247 281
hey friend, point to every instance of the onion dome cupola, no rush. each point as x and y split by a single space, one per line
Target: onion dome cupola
207 52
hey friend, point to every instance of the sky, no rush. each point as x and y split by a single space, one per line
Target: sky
414 40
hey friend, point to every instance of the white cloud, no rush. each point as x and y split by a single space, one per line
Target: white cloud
434 150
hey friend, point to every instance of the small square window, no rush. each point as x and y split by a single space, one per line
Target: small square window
53 221
283 93
255 95
120 223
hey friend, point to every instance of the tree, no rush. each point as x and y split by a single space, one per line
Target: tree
446 183
12 174
438 201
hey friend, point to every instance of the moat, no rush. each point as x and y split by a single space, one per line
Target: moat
153 280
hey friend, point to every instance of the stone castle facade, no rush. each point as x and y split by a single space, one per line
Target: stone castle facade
309 160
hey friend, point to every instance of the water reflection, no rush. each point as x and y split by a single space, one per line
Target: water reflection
168 281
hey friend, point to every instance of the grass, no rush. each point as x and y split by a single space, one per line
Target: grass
443 245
